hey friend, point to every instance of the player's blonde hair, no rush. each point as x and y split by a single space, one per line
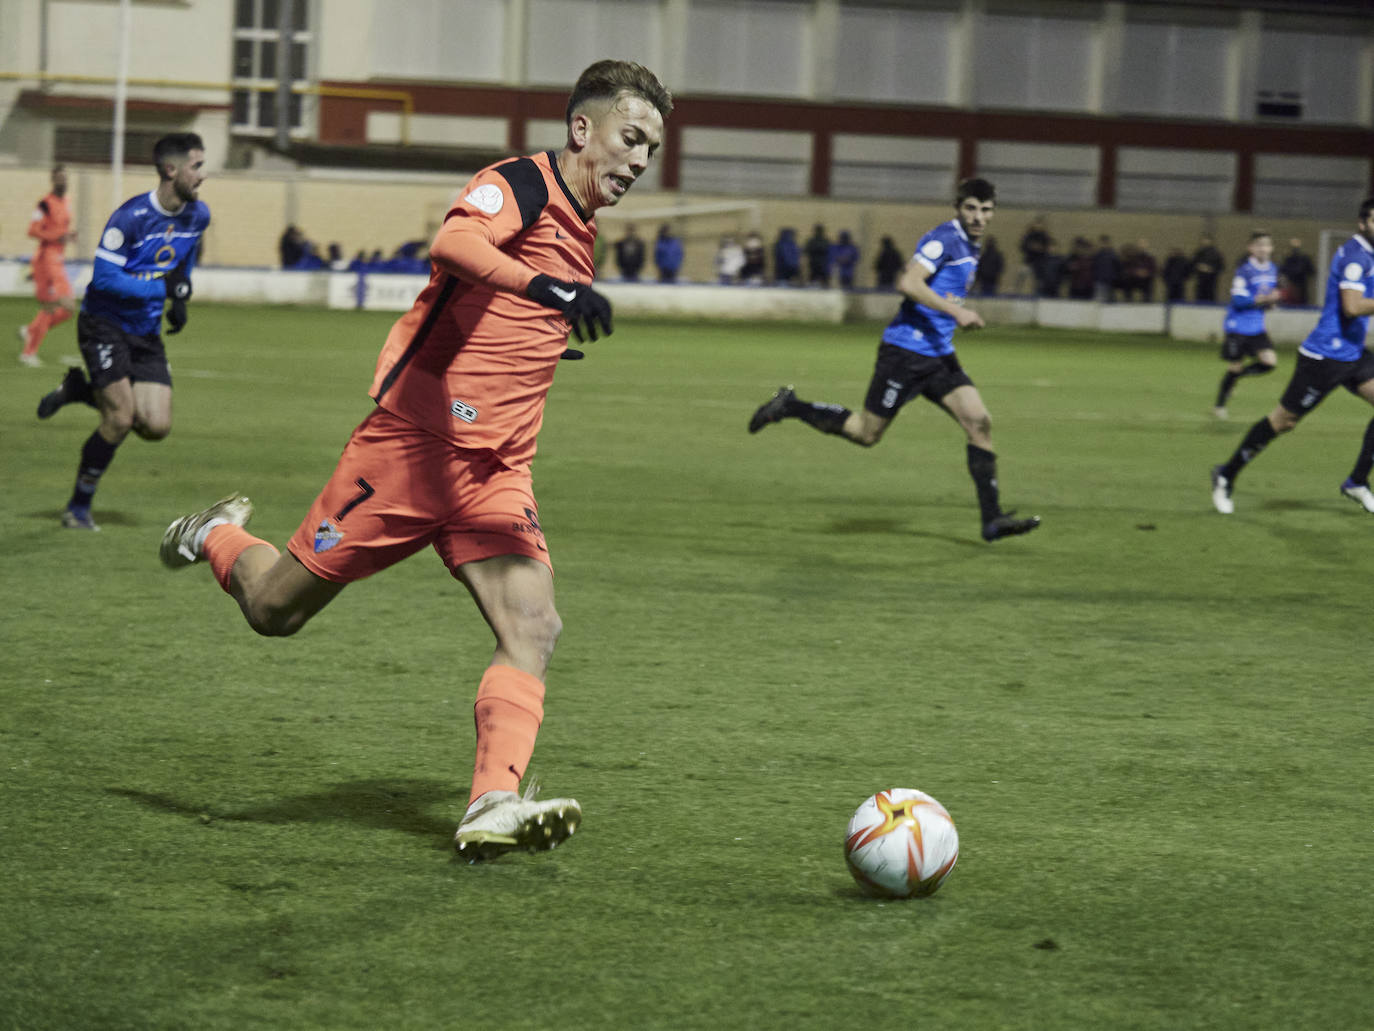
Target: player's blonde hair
610 80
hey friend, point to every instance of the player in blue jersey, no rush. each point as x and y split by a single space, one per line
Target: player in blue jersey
1254 289
916 357
1333 355
144 260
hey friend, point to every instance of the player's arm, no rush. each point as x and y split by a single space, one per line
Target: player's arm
913 284
42 225
468 245
1354 303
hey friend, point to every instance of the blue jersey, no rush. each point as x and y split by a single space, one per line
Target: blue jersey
1335 336
951 258
141 242
1251 279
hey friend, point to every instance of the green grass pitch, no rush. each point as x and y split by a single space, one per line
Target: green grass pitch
1151 723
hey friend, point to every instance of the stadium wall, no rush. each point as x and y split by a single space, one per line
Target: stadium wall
386 292
362 212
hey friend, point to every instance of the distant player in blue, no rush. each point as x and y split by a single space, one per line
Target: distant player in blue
916 357
144 260
1254 289
1333 355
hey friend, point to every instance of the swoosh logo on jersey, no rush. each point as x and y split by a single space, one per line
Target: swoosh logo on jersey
566 295
558 236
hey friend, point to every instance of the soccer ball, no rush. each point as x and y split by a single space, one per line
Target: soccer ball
901 843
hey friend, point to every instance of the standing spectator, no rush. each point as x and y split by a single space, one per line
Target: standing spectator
787 257
1207 265
1106 270
890 262
291 246
755 260
1054 267
844 259
667 254
729 259
1140 273
818 257
991 263
1177 271
1297 270
629 254
1035 244
1080 270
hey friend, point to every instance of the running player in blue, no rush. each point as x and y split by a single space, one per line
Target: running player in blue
1333 355
143 261
916 357
1254 289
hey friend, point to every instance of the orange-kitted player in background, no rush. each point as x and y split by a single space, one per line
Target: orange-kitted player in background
51 226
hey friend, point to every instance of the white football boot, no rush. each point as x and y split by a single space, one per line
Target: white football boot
502 821
1359 493
1221 492
181 544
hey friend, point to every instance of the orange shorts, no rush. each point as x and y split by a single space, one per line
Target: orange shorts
397 488
50 281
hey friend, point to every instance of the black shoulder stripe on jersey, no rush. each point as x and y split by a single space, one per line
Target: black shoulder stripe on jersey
421 335
43 206
558 178
527 183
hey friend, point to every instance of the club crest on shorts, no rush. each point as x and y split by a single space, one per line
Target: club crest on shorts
327 536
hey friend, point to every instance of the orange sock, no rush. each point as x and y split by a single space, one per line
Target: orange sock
223 546
509 709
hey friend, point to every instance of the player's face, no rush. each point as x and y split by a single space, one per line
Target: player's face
620 141
974 216
1262 249
1365 227
188 176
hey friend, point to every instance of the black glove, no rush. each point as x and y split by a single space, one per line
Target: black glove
582 306
178 286
176 316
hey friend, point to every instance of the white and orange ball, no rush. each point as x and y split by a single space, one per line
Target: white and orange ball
901 844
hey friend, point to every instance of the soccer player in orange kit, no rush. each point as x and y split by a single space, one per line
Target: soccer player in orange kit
51 226
444 458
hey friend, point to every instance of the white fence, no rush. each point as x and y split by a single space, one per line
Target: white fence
391 292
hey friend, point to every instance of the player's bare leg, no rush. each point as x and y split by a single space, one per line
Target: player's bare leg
965 405
515 596
145 408
1266 360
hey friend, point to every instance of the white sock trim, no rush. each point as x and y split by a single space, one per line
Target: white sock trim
204 531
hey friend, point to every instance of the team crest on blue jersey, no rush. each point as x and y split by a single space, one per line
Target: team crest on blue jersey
169 232
327 536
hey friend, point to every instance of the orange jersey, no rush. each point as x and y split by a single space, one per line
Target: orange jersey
50 223
472 363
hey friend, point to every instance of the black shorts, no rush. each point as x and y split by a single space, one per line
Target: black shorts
900 375
1241 345
112 354
1314 378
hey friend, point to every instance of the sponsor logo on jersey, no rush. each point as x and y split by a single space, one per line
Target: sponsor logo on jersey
463 410
487 197
327 536
113 239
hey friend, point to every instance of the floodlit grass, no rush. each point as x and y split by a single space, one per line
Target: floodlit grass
1151 723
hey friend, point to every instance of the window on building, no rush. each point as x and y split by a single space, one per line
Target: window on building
253 63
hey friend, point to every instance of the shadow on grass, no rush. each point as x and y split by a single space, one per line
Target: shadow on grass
102 516
391 805
897 528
